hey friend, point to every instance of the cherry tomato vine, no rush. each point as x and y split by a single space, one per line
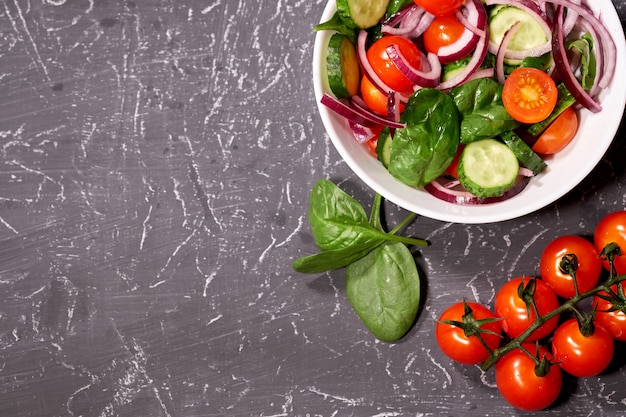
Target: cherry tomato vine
537 329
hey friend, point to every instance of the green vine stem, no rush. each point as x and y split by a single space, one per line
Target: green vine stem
540 320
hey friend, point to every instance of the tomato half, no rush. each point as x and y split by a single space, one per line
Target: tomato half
440 7
456 344
587 273
529 95
581 355
558 134
443 31
612 228
512 308
613 321
521 386
453 168
384 66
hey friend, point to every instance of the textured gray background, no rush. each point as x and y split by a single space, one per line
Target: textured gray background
155 162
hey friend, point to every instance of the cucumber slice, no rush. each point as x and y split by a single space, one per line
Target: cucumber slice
383 147
364 13
525 155
487 168
529 35
342 65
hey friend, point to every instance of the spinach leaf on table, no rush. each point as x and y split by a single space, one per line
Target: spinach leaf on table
383 288
425 147
483 115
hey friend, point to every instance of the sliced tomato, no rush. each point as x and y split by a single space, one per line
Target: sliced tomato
560 132
440 7
384 66
453 168
443 31
529 95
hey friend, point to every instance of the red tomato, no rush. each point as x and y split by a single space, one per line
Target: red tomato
529 95
558 134
453 168
512 309
589 265
443 31
453 340
521 386
376 100
612 228
440 7
613 321
580 355
384 66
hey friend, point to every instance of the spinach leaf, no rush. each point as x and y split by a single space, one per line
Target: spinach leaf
483 115
383 288
336 23
425 147
334 259
396 5
584 46
337 220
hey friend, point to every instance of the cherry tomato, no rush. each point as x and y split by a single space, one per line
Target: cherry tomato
440 7
443 31
529 95
453 168
558 134
374 99
384 66
581 355
456 344
587 273
613 321
520 386
512 308
612 228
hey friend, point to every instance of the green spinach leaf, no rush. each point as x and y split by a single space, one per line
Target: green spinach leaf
584 46
383 288
424 149
483 115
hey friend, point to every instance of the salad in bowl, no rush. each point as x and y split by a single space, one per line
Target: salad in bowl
470 111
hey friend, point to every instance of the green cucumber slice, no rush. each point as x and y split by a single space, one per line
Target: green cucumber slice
364 13
487 168
529 35
342 66
525 155
383 147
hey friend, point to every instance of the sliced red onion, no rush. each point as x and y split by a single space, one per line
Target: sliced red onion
508 35
570 19
361 133
477 59
393 106
462 197
428 78
357 115
561 62
475 26
424 23
481 73
406 24
605 44
540 16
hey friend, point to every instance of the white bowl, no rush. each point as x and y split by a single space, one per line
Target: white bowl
565 169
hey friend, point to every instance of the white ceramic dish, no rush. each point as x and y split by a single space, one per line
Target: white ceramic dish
565 170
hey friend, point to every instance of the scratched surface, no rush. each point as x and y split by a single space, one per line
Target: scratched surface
155 164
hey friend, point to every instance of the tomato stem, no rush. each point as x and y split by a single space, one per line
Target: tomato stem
570 304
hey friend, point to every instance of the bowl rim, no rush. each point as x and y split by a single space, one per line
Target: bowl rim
542 190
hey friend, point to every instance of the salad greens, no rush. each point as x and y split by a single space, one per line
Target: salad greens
423 150
382 281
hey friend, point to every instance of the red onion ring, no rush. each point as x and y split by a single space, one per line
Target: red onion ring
428 78
357 115
508 35
462 197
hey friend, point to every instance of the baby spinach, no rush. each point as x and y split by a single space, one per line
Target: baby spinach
383 288
382 282
483 115
425 147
